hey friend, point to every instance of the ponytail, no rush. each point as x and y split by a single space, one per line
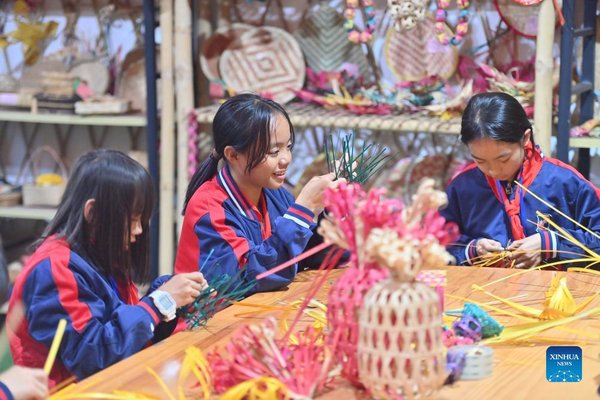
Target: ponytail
206 171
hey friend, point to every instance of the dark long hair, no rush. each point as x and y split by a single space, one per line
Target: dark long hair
494 115
121 188
243 122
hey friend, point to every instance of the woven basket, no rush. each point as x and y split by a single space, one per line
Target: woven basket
46 195
400 350
345 300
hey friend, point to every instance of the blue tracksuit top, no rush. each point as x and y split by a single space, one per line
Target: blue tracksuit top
473 205
219 218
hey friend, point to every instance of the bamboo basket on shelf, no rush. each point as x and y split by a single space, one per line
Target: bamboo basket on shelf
50 195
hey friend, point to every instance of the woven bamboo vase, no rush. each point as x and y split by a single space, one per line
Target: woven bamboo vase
400 350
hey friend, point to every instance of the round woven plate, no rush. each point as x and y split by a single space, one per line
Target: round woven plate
94 73
214 46
416 54
268 60
522 18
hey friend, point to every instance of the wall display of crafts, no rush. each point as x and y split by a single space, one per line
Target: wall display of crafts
387 56
77 68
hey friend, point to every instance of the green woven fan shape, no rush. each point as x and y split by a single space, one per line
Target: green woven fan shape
325 43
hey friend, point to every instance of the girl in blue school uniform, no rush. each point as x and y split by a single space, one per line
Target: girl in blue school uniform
493 213
84 270
239 220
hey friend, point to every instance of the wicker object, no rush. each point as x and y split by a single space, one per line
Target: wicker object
214 46
44 195
325 43
400 350
345 300
308 115
416 54
521 18
94 73
269 60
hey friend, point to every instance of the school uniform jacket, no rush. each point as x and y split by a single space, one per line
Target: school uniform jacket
5 393
106 322
481 208
244 240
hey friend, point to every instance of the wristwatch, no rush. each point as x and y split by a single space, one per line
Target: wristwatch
165 304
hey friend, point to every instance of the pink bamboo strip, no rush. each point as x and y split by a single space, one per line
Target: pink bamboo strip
294 260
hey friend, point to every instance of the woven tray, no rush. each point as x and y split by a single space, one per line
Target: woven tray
521 18
214 46
268 60
416 54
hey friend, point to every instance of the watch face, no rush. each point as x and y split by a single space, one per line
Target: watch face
165 302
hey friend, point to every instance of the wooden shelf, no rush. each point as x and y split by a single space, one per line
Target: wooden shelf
584 142
44 213
72 119
308 115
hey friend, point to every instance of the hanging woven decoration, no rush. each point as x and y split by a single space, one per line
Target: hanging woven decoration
462 27
407 13
522 15
400 347
324 43
355 35
417 54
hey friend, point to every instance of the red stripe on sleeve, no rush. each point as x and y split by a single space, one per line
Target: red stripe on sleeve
68 290
301 214
238 244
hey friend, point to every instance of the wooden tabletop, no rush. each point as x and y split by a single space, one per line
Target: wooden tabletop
519 370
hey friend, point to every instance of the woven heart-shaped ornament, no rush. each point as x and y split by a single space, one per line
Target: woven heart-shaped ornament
407 13
416 54
324 43
268 60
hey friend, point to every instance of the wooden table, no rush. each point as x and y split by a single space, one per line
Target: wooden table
519 371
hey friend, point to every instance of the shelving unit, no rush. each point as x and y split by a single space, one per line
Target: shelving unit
132 120
27 124
23 212
584 89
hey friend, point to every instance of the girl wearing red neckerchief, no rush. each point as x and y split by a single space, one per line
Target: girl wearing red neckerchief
493 213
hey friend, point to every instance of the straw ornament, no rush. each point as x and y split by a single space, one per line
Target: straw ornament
407 13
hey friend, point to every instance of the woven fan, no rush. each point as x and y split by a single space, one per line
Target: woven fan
214 46
268 60
325 44
416 54
522 16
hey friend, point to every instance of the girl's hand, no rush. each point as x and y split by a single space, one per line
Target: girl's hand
527 252
311 195
26 383
184 288
485 246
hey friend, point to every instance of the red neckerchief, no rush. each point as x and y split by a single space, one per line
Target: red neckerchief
532 164
262 215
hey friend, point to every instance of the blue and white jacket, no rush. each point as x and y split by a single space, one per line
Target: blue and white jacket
475 204
245 240
106 321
